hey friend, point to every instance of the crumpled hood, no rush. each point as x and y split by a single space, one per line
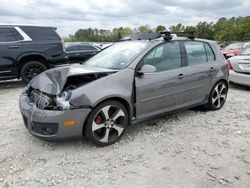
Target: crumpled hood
52 81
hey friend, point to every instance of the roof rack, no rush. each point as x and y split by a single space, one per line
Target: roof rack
167 36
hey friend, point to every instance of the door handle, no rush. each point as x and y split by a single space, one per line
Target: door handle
77 54
212 69
180 76
13 47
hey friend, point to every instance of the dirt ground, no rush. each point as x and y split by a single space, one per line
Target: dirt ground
192 148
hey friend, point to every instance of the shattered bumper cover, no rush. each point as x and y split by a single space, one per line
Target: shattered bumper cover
49 124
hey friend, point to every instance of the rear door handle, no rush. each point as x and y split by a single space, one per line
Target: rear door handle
180 76
13 47
212 69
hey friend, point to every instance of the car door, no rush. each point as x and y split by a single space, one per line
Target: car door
10 48
201 69
161 91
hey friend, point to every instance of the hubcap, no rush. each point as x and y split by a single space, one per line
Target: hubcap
219 95
108 124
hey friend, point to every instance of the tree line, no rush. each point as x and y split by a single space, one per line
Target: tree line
224 30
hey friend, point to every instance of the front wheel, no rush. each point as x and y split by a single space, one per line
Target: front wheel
107 123
217 96
31 69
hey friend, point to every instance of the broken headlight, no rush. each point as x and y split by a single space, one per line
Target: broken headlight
62 100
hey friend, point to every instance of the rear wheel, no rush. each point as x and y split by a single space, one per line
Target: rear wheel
106 123
32 69
217 96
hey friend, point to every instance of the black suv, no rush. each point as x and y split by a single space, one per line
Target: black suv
26 51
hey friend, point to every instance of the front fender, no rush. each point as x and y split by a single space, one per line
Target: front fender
117 85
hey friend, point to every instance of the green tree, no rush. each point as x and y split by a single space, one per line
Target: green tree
145 29
160 28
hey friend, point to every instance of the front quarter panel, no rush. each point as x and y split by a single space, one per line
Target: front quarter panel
116 85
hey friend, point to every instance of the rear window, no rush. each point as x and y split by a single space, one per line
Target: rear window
9 35
41 33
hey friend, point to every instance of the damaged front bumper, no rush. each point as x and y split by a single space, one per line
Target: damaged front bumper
50 124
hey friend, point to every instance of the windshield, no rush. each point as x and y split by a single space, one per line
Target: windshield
234 46
245 52
119 55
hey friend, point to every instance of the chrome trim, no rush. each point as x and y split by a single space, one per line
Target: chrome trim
1 72
23 34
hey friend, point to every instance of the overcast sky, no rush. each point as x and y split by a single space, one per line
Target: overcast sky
70 15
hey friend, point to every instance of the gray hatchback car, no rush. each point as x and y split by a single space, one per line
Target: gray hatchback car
126 83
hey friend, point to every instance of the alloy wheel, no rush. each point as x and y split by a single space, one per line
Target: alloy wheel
219 95
108 124
33 70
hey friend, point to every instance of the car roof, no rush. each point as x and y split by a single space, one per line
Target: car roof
161 40
28 26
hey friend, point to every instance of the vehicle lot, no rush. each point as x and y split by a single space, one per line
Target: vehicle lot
192 148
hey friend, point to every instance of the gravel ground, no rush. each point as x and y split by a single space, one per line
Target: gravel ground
192 148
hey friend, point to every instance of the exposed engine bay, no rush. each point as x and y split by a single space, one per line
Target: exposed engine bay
74 82
46 101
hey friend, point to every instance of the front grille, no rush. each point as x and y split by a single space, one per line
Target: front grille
45 128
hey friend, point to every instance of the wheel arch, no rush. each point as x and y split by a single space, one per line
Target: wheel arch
32 57
221 80
115 98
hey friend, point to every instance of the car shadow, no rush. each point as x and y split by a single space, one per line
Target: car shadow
239 87
12 84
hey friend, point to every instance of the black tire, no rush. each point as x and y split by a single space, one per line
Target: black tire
217 102
31 69
108 126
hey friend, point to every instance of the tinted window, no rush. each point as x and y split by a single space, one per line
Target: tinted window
86 47
72 48
9 35
41 33
210 53
165 57
196 53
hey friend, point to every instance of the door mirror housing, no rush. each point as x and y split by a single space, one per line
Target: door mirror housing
146 69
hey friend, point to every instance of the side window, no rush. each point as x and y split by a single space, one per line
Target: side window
196 53
165 56
210 53
9 35
86 47
72 48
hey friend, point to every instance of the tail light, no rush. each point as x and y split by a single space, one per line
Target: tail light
229 65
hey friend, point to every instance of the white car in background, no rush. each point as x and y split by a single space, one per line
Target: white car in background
239 68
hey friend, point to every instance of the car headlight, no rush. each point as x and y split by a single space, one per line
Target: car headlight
62 100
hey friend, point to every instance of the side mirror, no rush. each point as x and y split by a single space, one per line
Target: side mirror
146 69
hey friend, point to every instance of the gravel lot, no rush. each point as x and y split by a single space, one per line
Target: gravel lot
192 148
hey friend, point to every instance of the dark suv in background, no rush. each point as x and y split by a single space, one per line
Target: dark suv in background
26 51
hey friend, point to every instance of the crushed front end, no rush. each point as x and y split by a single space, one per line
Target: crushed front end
51 116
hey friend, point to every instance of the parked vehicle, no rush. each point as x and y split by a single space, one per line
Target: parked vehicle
126 83
26 51
234 49
239 68
79 52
